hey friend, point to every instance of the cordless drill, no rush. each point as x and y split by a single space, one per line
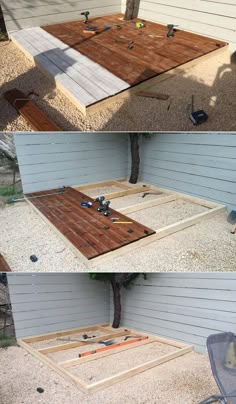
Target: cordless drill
86 14
106 208
100 199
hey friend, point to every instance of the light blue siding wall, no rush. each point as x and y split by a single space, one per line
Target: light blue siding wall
184 307
51 160
200 164
44 303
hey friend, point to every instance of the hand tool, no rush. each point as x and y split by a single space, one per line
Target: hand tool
122 222
151 193
86 14
170 32
60 191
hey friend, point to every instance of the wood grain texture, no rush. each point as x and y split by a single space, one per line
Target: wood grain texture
37 119
152 53
89 231
4 267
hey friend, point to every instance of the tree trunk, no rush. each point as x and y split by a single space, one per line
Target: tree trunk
129 12
135 159
117 303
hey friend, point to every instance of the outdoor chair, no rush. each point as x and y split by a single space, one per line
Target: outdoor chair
222 355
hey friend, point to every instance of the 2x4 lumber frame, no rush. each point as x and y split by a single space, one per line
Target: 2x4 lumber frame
70 345
137 370
61 368
214 208
99 184
75 362
53 335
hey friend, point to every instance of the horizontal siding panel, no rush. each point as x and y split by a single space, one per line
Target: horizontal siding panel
185 307
19 14
202 17
53 160
40 305
200 164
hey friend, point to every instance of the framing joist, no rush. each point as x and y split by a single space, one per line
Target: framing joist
126 189
63 368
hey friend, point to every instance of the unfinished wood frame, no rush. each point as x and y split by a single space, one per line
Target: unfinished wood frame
63 368
168 196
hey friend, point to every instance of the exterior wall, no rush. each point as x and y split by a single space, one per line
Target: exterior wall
184 307
211 18
51 160
200 164
44 303
20 14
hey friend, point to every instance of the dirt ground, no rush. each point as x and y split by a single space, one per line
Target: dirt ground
186 379
206 246
212 82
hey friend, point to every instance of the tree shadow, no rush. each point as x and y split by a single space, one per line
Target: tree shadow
217 99
44 91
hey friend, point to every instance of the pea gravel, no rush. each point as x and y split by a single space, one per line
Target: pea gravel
183 380
207 246
212 81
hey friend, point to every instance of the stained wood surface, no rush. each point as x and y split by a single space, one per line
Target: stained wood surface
152 53
37 119
85 228
4 267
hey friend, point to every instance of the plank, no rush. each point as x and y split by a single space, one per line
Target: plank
147 59
90 232
160 233
4 267
70 345
52 335
78 361
47 361
138 369
37 119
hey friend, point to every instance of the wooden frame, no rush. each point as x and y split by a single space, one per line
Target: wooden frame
120 95
62 368
168 196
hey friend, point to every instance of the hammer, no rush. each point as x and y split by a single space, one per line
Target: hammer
86 14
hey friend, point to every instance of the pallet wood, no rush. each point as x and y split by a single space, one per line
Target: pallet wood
37 119
61 368
89 231
4 267
148 57
95 71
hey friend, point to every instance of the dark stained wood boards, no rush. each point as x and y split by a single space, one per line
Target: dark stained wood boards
86 228
152 53
4 267
37 119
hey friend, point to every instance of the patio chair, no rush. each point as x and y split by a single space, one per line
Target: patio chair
222 355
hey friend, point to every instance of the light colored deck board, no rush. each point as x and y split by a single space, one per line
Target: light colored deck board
85 80
98 74
55 71
55 56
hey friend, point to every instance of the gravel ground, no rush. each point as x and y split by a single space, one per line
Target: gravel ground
212 82
207 246
183 380
169 213
94 371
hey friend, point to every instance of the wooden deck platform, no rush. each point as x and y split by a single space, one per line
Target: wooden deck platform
92 68
89 231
